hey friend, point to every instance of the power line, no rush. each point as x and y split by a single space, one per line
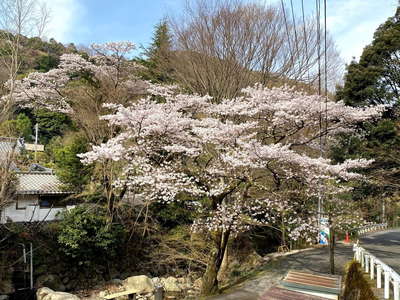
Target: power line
326 73
304 27
318 9
294 25
305 40
287 31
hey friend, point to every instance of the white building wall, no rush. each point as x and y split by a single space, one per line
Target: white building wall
29 211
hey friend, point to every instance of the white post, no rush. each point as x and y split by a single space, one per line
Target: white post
31 265
366 263
371 269
362 259
379 276
396 290
357 254
36 139
386 289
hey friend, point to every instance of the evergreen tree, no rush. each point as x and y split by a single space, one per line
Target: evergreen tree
158 55
375 79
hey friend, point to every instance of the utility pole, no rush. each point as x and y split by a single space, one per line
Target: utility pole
31 266
384 208
36 140
24 255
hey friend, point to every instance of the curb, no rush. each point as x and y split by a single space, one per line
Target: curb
274 255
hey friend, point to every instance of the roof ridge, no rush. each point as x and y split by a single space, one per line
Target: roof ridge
36 172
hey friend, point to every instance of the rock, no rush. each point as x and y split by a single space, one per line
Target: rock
45 293
102 294
142 283
52 281
116 281
6 287
4 297
197 284
157 282
181 280
171 284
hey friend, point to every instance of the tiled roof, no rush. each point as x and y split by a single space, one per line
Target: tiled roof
39 183
7 145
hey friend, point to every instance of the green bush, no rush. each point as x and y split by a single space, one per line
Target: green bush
356 286
20 127
172 214
51 124
87 237
68 164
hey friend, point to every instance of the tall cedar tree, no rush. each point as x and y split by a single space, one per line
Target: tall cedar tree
158 55
375 79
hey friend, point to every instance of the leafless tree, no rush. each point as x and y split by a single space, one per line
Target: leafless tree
7 175
18 18
42 19
222 46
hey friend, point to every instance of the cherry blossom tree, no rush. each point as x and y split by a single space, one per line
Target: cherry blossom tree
79 87
227 160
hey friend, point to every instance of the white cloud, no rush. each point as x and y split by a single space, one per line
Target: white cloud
65 15
354 22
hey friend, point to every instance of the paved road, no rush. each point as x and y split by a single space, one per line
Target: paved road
385 246
315 260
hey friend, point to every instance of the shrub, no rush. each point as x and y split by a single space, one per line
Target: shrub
356 286
87 236
68 164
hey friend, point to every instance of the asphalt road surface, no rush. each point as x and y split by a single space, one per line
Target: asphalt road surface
384 246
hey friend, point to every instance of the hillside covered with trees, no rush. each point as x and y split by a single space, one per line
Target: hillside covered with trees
202 154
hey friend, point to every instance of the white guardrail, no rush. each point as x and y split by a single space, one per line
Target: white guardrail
373 227
376 268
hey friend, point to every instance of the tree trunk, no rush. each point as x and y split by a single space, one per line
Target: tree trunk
210 278
332 250
224 265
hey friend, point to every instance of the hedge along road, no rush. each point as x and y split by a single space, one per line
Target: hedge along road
385 246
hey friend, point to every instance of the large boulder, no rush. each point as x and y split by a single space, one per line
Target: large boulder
142 284
48 294
171 284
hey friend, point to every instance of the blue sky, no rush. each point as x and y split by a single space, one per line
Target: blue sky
351 22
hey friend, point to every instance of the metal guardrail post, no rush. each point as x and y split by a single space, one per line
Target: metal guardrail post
379 276
386 288
370 262
362 258
373 227
372 269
